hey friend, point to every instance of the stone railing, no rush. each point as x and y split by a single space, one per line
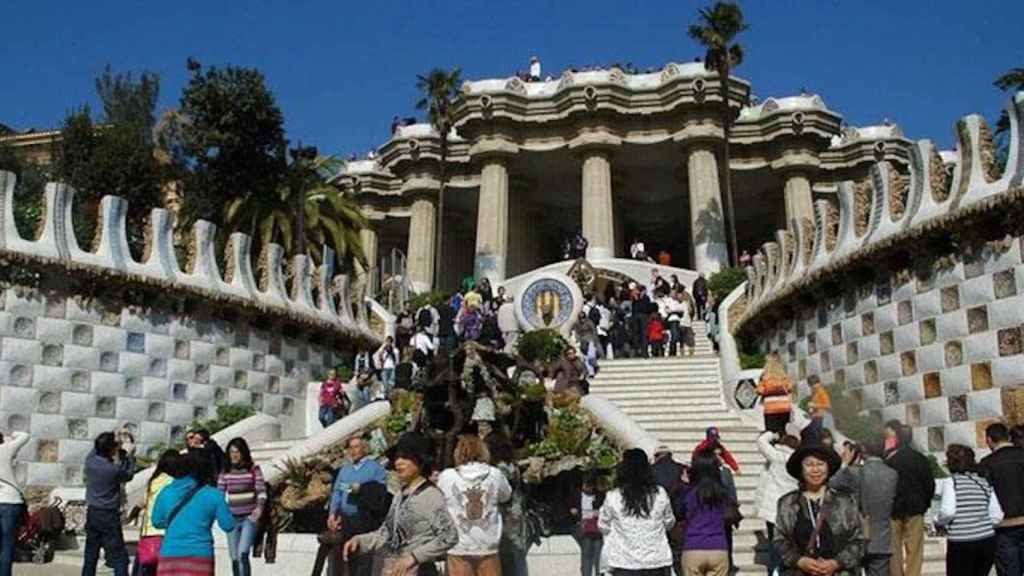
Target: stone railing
908 296
884 214
93 340
310 300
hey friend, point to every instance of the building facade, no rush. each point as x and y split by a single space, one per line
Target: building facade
617 156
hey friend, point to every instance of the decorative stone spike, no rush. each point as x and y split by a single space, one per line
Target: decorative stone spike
929 184
238 271
203 269
980 176
822 228
885 220
272 285
302 274
161 261
8 230
785 239
798 240
752 287
110 246
51 240
341 288
362 318
760 269
324 275
774 264
1015 163
847 241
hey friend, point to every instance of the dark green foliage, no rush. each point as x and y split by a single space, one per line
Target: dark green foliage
227 140
541 345
226 416
113 157
417 301
723 282
28 191
849 418
937 470
749 361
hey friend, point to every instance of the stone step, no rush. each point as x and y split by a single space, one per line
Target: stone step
663 361
662 387
677 380
628 404
712 419
731 438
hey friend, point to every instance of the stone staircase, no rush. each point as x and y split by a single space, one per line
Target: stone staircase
675 400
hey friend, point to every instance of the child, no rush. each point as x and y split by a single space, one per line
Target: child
588 536
330 391
656 335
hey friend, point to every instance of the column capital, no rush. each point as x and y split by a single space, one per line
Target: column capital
699 136
493 148
797 162
595 143
418 187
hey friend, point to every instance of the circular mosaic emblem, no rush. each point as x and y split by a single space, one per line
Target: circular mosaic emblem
550 300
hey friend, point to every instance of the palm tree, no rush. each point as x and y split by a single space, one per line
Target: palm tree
716 31
1011 81
328 217
439 89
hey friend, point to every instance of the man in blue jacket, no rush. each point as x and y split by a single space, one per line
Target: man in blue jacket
110 464
347 513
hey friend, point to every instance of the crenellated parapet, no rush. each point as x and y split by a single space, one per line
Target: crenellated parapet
309 301
885 214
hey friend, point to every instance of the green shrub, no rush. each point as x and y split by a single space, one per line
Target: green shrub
226 416
937 470
849 420
723 282
750 361
544 345
417 301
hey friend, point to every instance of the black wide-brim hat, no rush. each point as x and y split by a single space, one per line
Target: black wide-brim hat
795 463
414 446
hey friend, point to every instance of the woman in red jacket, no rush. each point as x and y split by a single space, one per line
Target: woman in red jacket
656 335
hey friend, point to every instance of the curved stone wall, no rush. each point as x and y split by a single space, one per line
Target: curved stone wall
93 339
911 295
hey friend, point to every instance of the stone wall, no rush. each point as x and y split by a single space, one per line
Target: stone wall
910 295
92 340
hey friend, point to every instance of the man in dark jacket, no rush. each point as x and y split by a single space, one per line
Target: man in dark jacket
669 475
110 464
914 490
1004 468
700 294
873 484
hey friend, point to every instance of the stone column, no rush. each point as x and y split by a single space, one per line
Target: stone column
598 212
799 203
707 211
492 220
420 254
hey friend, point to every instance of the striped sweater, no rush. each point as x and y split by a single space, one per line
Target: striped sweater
965 507
244 490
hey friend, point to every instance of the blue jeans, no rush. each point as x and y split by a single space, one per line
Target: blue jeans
240 541
103 530
10 517
326 416
387 379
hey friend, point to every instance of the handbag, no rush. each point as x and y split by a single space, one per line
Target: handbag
589 527
148 553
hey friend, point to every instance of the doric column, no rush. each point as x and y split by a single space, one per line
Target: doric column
799 203
598 212
707 214
420 254
492 220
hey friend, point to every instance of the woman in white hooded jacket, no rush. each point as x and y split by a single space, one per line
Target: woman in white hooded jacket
472 491
775 481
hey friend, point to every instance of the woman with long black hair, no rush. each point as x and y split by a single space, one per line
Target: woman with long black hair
634 520
246 493
706 551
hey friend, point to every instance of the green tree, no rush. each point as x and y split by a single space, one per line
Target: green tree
28 190
328 217
226 140
716 30
1011 81
438 89
114 156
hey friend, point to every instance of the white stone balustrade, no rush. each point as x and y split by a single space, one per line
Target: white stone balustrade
202 274
927 196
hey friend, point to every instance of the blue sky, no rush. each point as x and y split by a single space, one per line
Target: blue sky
341 70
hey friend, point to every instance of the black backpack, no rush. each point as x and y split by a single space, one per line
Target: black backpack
424 319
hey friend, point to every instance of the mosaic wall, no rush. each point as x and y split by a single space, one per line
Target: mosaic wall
942 354
160 343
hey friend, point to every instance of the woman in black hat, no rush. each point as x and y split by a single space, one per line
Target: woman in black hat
418 530
817 530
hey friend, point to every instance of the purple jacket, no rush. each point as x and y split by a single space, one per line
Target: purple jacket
705 527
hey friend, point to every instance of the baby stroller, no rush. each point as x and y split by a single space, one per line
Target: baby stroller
38 534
